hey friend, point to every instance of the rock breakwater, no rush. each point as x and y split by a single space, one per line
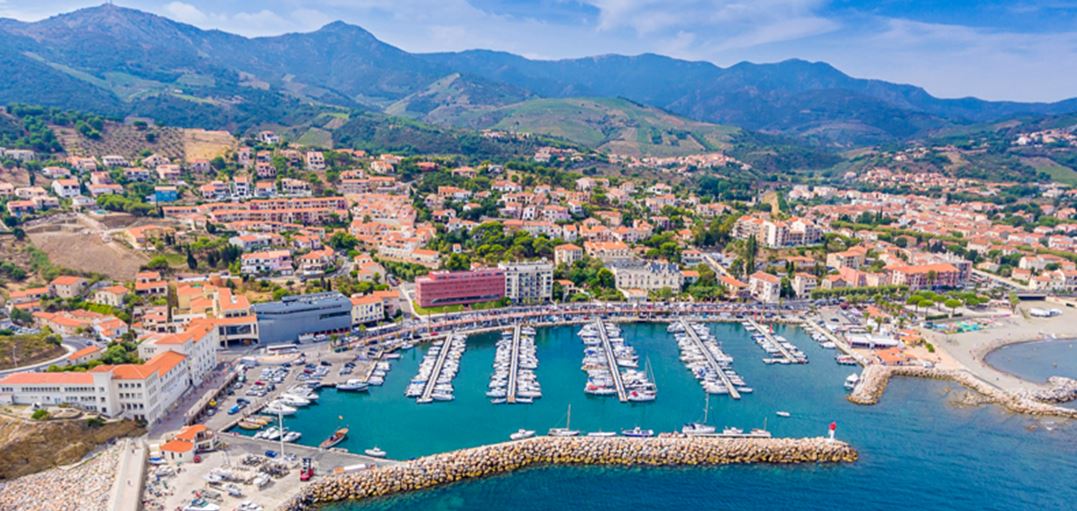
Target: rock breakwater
495 459
876 377
1059 390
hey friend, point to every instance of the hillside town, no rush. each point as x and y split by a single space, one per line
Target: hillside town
271 246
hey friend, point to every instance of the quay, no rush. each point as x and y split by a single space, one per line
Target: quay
435 373
673 450
470 322
611 359
711 361
765 332
838 341
514 364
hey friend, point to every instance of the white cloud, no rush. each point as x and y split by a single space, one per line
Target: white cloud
249 23
185 12
957 61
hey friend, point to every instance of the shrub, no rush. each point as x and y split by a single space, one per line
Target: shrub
40 414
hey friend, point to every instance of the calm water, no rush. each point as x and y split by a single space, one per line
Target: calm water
915 448
1037 361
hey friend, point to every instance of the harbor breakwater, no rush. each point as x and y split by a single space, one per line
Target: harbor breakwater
450 467
876 377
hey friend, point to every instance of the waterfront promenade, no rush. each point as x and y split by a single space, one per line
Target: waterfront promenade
437 325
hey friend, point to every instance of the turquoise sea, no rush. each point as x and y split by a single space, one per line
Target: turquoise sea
916 449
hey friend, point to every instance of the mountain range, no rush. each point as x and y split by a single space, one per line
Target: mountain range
120 61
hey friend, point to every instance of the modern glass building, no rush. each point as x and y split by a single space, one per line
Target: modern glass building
296 316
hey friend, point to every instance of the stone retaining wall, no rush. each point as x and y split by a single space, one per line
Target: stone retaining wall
875 378
489 460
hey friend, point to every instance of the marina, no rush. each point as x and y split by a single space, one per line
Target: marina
605 354
708 363
434 379
779 349
513 380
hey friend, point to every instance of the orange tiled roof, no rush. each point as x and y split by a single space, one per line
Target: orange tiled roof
47 378
177 446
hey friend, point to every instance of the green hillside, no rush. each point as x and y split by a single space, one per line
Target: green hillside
614 125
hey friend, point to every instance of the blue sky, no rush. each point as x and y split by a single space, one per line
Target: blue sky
1017 50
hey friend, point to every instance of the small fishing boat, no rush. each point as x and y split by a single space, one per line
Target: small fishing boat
336 438
783 413
521 434
374 452
637 432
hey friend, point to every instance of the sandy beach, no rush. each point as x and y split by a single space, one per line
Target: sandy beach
969 350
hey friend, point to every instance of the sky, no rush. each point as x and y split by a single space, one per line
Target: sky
1001 50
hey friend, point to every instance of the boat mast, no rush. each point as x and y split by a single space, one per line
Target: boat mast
280 422
706 406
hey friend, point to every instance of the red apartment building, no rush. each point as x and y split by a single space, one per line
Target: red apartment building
460 287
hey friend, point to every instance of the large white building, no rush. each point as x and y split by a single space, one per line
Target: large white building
145 392
647 276
765 287
528 283
778 233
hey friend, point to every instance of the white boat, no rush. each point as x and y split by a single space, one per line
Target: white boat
293 400
700 428
851 381
521 434
783 413
374 452
278 408
602 434
353 385
567 430
292 436
638 432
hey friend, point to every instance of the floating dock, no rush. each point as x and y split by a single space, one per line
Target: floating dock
787 355
514 364
711 361
432 381
611 360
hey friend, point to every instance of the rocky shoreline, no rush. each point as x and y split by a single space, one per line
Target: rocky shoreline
1059 390
440 469
875 378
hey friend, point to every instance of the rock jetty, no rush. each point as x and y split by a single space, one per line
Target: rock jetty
876 377
495 459
1059 390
